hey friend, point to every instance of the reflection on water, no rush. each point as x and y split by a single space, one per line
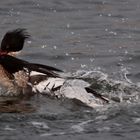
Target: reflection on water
15 105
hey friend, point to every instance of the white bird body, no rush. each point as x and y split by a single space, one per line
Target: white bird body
70 89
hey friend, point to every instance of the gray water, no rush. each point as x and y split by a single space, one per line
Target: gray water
82 37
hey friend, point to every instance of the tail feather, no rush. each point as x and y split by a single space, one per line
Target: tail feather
89 90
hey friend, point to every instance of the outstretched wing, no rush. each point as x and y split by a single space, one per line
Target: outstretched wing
47 67
12 65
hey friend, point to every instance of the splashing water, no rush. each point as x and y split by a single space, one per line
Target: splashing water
116 90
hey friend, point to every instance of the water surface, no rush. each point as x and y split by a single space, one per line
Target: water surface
80 37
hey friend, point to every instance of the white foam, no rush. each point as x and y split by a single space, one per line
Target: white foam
80 126
40 125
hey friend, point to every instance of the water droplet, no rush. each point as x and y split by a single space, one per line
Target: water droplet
92 59
114 33
68 25
100 15
55 47
72 58
38 5
126 52
67 54
29 41
18 13
106 29
83 65
123 20
43 46
109 15
72 33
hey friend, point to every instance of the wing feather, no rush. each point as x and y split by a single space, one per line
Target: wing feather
12 65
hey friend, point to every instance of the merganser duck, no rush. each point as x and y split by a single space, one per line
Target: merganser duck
20 77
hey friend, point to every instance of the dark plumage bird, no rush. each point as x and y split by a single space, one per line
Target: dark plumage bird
20 77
